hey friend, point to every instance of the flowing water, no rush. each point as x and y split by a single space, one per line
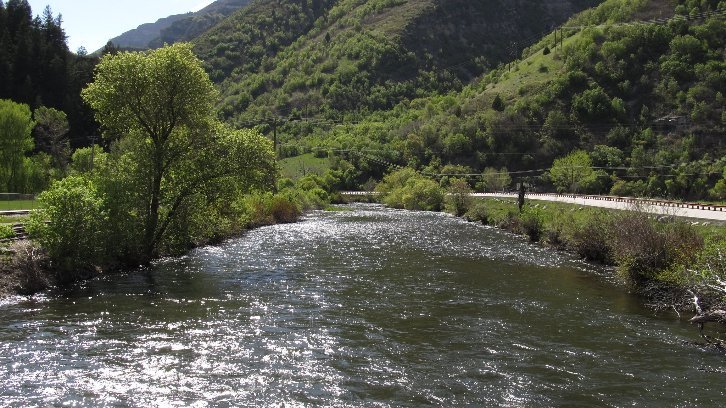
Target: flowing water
369 307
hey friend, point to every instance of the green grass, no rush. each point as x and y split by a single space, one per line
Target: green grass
18 205
300 166
12 220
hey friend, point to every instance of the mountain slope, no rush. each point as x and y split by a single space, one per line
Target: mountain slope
645 99
141 36
179 27
329 56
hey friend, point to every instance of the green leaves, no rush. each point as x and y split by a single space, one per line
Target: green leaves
71 225
572 173
15 140
153 93
171 160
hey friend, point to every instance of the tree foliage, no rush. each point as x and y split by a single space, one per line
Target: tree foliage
37 69
16 125
170 154
572 173
51 135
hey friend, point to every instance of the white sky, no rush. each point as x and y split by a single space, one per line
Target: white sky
92 23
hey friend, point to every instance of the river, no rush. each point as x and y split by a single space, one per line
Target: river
365 307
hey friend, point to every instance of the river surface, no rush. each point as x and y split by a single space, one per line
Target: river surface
368 307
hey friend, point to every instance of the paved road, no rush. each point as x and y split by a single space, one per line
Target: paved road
676 209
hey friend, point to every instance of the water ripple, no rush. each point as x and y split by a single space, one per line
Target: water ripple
371 307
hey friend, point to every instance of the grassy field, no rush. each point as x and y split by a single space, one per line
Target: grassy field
300 166
17 205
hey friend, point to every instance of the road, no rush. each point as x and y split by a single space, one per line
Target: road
687 210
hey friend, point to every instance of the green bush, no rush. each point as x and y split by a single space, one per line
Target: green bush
409 190
458 197
6 231
422 194
70 226
478 212
590 238
531 223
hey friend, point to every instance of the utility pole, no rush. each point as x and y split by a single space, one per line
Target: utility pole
274 134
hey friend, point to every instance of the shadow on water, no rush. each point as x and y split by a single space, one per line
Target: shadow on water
366 307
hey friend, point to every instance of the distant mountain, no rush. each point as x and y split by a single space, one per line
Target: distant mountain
179 27
141 36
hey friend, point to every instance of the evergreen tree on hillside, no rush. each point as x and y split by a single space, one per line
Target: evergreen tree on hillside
37 69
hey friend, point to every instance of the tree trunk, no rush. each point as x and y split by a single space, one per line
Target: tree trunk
152 219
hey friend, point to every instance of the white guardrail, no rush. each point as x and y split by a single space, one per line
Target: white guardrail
633 200
627 200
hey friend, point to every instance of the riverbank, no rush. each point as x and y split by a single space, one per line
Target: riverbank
672 262
27 269
668 261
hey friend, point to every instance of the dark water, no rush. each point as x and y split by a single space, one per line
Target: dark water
371 307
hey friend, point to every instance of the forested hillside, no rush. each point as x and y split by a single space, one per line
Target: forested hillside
329 58
637 85
37 69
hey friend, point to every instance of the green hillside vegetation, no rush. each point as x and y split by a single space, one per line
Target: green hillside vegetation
344 58
644 100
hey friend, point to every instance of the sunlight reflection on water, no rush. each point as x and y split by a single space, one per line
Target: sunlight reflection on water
371 307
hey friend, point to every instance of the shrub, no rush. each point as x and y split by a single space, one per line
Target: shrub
458 197
283 209
422 194
30 263
642 248
70 225
6 231
531 224
407 189
478 213
591 239
707 274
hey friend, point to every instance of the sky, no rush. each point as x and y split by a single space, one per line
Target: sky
91 23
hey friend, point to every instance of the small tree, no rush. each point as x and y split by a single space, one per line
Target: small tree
493 180
458 197
572 173
15 140
498 104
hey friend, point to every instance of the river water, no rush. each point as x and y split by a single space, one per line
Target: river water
367 307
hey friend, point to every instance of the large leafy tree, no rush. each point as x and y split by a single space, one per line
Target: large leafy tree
16 125
171 152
